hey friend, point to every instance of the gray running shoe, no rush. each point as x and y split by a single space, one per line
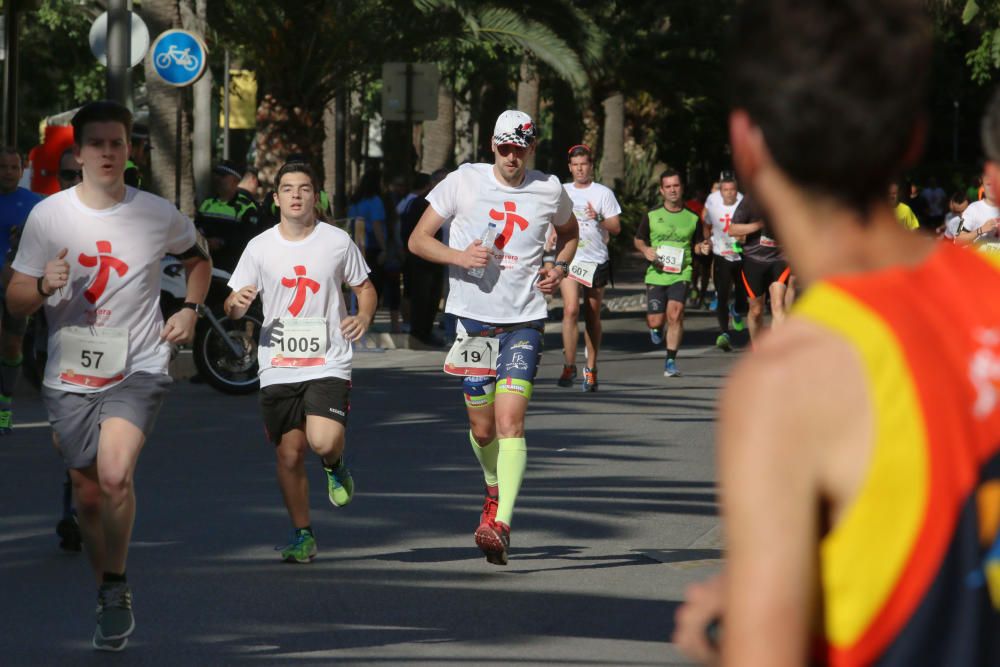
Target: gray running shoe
102 644
114 612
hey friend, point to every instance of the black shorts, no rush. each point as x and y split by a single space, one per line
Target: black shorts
602 275
657 296
285 406
759 276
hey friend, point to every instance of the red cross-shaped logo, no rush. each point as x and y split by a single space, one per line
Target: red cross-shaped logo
107 264
726 220
512 218
300 283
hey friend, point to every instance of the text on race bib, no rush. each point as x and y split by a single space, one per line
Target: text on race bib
583 272
473 355
671 259
299 342
92 356
768 242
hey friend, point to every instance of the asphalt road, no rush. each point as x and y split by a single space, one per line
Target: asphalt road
617 514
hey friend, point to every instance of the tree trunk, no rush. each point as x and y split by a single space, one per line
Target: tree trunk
201 149
613 153
527 96
439 135
161 15
283 129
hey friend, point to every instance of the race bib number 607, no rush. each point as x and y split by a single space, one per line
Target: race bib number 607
92 356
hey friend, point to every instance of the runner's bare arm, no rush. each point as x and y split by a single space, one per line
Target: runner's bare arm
238 302
354 326
567 237
423 244
180 327
966 237
612 224
782 464
747 228
26 294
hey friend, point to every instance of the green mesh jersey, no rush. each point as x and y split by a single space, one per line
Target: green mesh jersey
664 228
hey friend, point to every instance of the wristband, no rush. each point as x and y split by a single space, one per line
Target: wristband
190 304
38 286
564 266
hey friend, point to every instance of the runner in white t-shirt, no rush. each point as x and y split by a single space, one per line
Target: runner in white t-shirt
501 213
597 212
91 254
728 263
980 224
297 268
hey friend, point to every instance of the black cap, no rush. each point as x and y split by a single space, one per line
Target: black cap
227 168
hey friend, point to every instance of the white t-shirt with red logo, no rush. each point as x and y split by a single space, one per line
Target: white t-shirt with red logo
720 217
506 292
114 277
593 245
299 282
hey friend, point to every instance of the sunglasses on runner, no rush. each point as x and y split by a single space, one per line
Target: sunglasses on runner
507 149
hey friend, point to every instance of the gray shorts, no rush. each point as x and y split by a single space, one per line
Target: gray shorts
76 418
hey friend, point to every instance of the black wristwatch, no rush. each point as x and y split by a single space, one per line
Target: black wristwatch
564 266
38 286
190 304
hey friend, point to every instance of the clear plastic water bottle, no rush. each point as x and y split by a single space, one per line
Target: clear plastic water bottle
487 238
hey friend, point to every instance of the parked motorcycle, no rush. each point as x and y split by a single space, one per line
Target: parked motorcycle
225 351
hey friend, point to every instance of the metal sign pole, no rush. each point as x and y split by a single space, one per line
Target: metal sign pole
11 24
177 148
119 49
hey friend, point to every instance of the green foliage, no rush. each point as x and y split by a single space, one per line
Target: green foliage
637 195
58 71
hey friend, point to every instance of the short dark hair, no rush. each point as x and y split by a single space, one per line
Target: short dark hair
297 168
838 88
103 111
959 196
669 173
580 150
727 177
421 180
10 150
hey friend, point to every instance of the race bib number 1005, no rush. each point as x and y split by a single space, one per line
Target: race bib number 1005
302 342
473 355
92 356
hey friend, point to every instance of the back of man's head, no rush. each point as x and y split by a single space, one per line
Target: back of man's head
837 87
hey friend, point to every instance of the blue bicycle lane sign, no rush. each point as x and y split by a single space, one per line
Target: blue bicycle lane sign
179 57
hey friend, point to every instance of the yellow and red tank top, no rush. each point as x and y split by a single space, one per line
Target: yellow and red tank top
910 575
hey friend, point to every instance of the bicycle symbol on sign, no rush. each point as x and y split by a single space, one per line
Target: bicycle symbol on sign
179 57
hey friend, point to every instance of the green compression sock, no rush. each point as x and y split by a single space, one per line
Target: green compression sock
487 456
511 463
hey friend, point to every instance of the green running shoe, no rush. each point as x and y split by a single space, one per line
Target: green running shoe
6 416
339 484
302 548
722 342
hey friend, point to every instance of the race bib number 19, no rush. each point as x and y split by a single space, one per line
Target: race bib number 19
92 356
301 343
473 355
671 258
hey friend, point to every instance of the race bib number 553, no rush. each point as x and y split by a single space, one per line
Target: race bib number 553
301 343
92 356
671 258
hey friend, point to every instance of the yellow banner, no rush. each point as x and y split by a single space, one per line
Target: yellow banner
242 101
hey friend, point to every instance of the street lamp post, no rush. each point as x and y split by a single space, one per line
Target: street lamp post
119 49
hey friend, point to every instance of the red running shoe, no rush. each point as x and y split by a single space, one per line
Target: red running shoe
494 540
490 505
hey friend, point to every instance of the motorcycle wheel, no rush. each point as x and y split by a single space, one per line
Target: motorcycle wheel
215 361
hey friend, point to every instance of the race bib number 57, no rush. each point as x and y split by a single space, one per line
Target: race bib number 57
92 356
